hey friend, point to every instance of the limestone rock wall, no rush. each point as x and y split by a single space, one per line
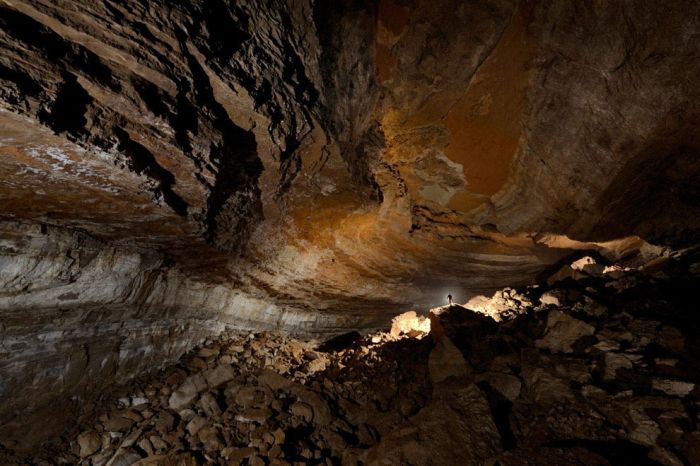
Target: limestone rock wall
355 155
171 169
78 315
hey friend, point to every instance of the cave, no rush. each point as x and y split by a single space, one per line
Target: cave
349 232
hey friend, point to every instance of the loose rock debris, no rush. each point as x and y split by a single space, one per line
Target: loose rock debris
596 369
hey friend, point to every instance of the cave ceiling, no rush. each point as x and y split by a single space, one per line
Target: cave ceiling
363 155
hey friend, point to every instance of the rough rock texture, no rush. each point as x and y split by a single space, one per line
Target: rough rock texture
374 149
78 313
176 169
403 398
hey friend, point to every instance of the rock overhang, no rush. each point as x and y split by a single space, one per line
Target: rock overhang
353 159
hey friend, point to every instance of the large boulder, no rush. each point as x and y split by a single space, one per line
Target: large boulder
187 392
457 417
446 361
562 332
89 442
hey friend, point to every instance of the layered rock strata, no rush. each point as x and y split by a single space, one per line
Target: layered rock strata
318 166
598 370
374 150
79 313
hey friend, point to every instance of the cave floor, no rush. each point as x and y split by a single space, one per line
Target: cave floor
597 371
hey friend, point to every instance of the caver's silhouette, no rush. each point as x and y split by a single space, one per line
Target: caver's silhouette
449 299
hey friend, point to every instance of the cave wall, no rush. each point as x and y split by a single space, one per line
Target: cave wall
79 314
387 146
171 170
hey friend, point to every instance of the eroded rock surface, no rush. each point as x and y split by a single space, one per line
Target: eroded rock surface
170 172
378 151
391 398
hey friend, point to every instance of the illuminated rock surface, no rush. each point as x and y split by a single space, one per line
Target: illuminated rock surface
169 172
608 377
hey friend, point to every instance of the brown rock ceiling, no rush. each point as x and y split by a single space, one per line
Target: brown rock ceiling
384 145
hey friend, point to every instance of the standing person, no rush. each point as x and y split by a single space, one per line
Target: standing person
449 299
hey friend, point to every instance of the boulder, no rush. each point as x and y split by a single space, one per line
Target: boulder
273 380
670 338
565 273
302 410
236 455
207 353
89 442
252 397
196 424
549 299
321 412
446 361
562 332
209 436
408 322
210 406
588 265
544 388
673 387
187 392
253 415
117 422
219 375
458 416
506 384
505 304
124 457
158 443
645 431
235 349
180 399
616 361
163 422
147 446
278 436
315 365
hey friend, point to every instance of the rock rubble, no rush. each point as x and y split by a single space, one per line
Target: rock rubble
601 369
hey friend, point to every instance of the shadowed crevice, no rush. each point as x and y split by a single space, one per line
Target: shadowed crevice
234 207
68 113
142 161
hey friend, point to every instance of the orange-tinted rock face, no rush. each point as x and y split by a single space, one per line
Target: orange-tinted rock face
321 165
484 124
374 144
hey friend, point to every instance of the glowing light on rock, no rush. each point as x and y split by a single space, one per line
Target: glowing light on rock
410 324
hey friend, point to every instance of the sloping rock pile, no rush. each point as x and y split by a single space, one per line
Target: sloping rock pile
600 368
